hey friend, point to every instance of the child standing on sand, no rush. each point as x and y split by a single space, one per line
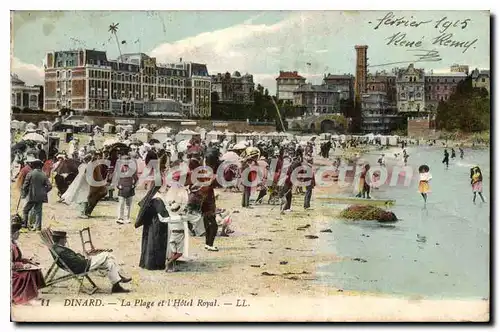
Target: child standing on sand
423 185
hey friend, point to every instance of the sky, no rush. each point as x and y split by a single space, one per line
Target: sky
262 43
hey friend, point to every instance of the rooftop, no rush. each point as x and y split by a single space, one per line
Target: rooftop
448 74
333 76
15 80
289 74
314 88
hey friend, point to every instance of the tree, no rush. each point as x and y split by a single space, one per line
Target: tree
467 109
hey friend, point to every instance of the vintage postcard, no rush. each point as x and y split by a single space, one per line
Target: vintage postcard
243 166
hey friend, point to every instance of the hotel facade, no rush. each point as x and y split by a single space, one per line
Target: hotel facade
86 81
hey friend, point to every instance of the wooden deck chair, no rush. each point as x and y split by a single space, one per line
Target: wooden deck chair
88 247
50 277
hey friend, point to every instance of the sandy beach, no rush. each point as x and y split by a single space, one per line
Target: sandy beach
265 271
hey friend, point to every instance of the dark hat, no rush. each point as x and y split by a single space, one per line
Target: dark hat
145 205
15 226
58 235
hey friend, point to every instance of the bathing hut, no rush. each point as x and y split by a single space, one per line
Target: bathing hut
185 134
143 135
109 128
162 134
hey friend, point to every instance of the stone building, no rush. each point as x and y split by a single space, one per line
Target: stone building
378 114
235 89
481 79
439 87
22 95
317 99
85 80
459 69
382 82
286 83
410 83
344 84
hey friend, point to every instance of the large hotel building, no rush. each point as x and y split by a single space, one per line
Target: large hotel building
134 84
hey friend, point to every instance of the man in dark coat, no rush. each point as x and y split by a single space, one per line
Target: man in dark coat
35 187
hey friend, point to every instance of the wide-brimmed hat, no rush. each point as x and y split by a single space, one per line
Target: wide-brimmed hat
144 205
61 155
32 159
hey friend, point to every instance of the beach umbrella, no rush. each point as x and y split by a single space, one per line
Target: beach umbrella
21 146
423 169
121 147
34 137
67 166
182 146
110 142
153 141
230 156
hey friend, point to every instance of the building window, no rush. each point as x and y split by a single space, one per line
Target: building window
91 61
58 74
58 104
69 103
483 80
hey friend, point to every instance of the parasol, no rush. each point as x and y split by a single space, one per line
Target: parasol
21 146
34 137
120 147
182 146
110 141
153 141
67 166
230 156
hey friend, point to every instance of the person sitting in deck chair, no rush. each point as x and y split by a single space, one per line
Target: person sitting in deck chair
79 264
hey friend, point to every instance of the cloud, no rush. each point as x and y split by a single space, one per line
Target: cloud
31 74
321 51
256 48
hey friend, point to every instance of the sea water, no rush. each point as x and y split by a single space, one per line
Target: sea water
441 251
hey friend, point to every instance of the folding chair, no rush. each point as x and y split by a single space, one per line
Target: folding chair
50 279
87 242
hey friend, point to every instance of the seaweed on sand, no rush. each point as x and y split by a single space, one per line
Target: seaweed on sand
368 212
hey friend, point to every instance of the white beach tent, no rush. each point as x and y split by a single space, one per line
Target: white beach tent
393 140
162 134
143 134
185 134
108 128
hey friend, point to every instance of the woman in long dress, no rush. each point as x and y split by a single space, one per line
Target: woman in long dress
154 232
27 278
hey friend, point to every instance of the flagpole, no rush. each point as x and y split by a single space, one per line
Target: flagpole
279 115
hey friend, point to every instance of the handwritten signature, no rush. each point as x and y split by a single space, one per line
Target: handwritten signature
421 56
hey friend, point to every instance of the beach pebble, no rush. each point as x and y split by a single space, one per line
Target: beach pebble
283 262
255 265
328 230
267 274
